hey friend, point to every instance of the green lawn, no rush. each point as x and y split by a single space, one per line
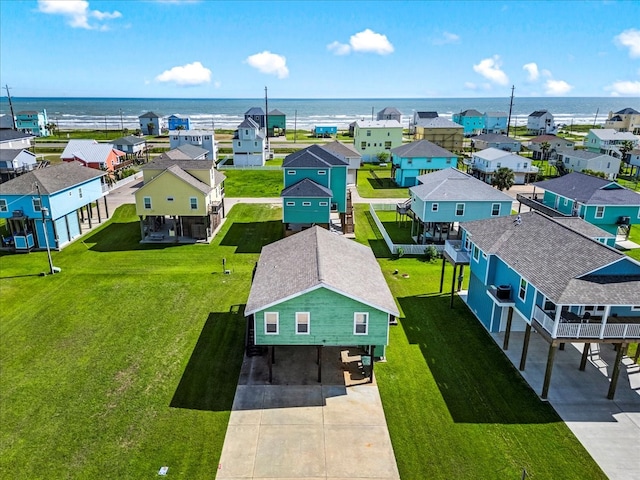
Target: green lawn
455 406
398 228
127 360
253 183
383 187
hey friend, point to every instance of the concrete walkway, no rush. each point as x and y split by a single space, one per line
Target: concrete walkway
298 428
608 429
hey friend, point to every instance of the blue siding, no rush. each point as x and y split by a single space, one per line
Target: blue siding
478 301
622 267
472 211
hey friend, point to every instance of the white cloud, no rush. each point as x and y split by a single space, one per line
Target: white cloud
532 70
186 75
77 13
624 88
557 87
369 41
470 86
366 41
269 63
490 69
446 38
217 84
339 48
630 39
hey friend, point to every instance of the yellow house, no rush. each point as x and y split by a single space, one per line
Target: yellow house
441 131
181 201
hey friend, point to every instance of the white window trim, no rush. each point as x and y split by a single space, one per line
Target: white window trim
355 317
595 215
492 208
144 203
191 205
308 314
435 207
306 204
291 204
476 253
4 206
277 314
33 202
322 172
291 172
635 308
463 209
324 204
526 287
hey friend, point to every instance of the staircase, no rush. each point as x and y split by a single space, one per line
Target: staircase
346 219
251 349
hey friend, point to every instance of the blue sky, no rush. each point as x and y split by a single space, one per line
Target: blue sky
382 49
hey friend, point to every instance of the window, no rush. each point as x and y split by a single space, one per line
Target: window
368 133
79 192
3 206
147 203
324 204
459 209
476 253
322 172
635 308
498 165
363 145
169 199
291 172
255 144
409 161
306 204
206 138
566 202
302 323
599 211
467 243
434 207
37 206
387 145
291 204
523 289
246 132
360 323
525 164
271 323
239 144
193 201
495 209
448 161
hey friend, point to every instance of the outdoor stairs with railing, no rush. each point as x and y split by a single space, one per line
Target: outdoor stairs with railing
347 218
251 349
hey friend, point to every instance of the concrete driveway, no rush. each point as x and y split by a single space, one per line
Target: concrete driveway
298 428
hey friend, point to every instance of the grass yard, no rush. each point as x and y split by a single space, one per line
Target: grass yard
253 183
399 231
369 187
128 360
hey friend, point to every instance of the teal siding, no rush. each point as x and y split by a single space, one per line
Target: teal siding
294 175
334 178
622 267
339 187
331 321
408 169
447 211
313 213
478 301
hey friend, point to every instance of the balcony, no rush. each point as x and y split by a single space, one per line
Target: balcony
456 252
534 204
572 326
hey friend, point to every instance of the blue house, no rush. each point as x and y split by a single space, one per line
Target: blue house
532 271
417 158
495 122
325 130
446 197
315 184
471 120
603 203
178 123
60 200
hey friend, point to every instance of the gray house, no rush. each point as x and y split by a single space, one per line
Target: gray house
501 142
150 123
390 113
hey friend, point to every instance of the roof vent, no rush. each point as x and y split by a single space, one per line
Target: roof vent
518 220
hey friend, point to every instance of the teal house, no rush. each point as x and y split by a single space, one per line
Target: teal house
315 184
319 289
276 123
534 272
603 203
417 158
472 121
33 122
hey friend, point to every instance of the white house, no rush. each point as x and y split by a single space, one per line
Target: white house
609 141
540 122
485 163
13 140
248 145
371 137
200 138
580 160
349 154
16 162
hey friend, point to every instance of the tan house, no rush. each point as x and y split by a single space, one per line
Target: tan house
626 120
444 133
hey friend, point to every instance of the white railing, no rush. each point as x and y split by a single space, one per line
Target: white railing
120 183
454 249
586 330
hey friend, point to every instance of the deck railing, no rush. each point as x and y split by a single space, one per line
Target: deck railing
586 330
455 250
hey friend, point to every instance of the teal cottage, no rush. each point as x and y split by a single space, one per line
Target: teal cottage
315 184
319 289
472 122
417 158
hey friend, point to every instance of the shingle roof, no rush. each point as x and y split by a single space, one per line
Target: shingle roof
472 112
186 166
493 153
539 113
311 157
427 114
590 190
496 137
51 179
8 155
317 258
27 112
149 115
628 111
440 122
584 227
551 256
186 152
450 185
254 111
275 111
129 140
585 154
248 123
611 134
496 114
188 178
307 188
346 150
89 151
8 135
389 111
421 148
547 138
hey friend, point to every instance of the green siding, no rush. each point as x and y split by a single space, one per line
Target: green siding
299 213
331 321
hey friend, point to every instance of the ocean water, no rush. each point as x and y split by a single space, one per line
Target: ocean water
116 113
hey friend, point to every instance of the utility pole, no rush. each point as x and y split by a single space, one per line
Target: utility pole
295 125
510 109
372 114
13 118
44 210
266 118
121 123
596 117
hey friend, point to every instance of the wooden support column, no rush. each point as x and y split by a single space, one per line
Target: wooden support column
461 277
89 215
637 355
453 284
373 349
273 354
270 362
616 370
98 211
525 347
507 333
585 356
444 263
141 227
106 207
319 363
547 373
66 224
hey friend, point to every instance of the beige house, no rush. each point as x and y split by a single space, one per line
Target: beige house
444 133
626 120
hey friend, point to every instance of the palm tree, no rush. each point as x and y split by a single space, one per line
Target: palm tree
151 127
545 147
504 178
